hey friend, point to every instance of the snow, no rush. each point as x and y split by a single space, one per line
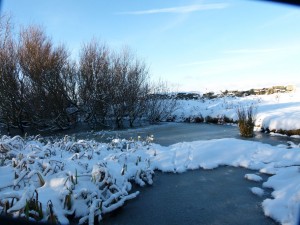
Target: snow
89 179
280 111
253 177
257 191
97 177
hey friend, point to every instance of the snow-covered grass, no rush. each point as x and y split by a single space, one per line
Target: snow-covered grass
277 112
52 181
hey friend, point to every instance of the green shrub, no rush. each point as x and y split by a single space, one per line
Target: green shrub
246 120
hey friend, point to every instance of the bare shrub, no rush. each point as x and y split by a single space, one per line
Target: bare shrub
47 74
246 121
95 82
137 90
42 88
209 119
287 132
130 80
198 119
12 112
113 85
228 120
160 103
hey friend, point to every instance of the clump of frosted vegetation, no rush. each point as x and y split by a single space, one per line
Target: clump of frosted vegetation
68 179
246 120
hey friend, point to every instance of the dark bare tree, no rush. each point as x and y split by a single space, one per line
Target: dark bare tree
136 90
113 85
160 103
46 71
12 112
94 81
43 88
130 79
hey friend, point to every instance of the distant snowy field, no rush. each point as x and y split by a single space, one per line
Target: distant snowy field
275 112
50 181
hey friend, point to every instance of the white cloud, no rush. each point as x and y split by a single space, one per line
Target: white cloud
181 9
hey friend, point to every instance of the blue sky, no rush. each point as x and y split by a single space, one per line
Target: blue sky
195 45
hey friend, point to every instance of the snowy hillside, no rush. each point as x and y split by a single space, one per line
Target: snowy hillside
274 112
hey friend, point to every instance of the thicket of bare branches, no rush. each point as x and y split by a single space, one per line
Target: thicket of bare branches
161 103
43 88
113 85
94 82
48 75
11 84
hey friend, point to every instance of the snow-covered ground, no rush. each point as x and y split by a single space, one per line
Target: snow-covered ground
50 181
275 112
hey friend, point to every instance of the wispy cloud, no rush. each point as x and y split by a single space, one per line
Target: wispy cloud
254 51
292 15
257 63
291 48
202 62
180 10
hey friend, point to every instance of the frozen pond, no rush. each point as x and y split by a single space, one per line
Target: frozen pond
219 196
206 197
171 133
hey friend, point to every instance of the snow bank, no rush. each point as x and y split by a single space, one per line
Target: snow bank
89 179
274 112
